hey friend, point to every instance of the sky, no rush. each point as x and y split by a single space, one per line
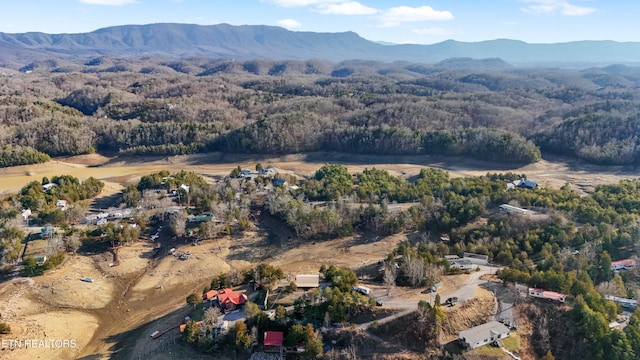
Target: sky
395 21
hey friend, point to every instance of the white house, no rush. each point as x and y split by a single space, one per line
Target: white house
462 264
483 334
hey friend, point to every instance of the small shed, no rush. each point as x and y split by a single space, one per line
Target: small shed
209 295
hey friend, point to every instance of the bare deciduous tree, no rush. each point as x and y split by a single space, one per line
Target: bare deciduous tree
390 275
210 319
55 244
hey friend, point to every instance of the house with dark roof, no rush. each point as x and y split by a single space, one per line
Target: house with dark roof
522 184
279 182
483 334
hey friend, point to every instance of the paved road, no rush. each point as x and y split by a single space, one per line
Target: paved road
468 290
465 292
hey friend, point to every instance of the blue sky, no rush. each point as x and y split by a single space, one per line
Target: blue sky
398 21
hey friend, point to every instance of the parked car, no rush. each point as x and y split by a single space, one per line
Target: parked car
451 301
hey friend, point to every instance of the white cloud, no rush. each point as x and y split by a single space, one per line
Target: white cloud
551 7
108 2
432 31
289 23
345 8
301 3
402 14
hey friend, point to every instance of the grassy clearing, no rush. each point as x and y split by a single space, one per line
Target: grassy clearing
487 351
512 343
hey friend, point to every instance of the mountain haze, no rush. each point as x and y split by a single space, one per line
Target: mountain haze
268 42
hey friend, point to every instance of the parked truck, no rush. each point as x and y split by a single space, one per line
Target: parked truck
362 289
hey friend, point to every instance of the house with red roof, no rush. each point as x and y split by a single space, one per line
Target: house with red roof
230 300
273 341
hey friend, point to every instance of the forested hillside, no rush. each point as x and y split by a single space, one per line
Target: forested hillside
486 109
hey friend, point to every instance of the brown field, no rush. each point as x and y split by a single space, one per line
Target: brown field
114 315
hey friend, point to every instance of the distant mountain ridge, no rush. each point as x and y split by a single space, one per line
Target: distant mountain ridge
249 42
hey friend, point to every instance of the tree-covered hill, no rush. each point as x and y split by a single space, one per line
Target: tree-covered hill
482 109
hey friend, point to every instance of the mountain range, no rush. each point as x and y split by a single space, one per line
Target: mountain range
268 42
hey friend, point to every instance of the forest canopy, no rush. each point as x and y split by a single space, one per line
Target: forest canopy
151 106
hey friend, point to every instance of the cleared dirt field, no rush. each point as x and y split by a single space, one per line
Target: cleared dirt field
113 316
119 171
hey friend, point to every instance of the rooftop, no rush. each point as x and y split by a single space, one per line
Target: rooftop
273 338
482 332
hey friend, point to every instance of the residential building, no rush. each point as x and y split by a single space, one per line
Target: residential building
549 295
623 265
522 184
483 334
627 303
230 300
477 259
273 341
462 264
508 209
